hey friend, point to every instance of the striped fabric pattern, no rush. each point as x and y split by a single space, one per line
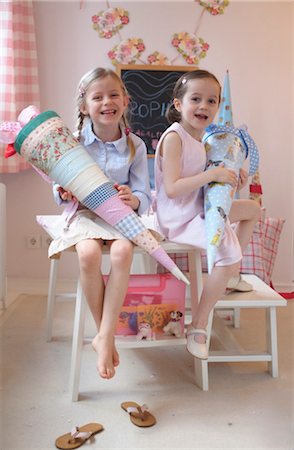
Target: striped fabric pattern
19 84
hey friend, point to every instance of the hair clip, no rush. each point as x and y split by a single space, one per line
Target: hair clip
82 92
127 131
184 80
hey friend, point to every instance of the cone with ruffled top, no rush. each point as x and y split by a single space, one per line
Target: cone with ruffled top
225 146
48 145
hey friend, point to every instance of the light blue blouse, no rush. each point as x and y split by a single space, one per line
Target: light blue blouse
113 160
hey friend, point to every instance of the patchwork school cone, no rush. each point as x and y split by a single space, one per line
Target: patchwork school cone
48 145
227 146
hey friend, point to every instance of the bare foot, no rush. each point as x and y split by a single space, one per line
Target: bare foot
107 354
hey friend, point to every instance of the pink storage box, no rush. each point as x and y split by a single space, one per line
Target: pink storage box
145 291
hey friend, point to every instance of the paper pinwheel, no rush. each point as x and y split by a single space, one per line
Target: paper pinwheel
227 146
48 145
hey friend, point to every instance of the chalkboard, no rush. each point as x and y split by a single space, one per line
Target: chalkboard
150 88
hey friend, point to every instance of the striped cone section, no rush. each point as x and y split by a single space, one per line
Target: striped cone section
50 146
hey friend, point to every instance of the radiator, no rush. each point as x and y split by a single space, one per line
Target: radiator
2 245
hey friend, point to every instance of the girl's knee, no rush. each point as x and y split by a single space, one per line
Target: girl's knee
121 252
89 258
256 208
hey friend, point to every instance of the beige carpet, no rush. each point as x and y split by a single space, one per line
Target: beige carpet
244 409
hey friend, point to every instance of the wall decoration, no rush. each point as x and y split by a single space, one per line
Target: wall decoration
190 46
107 23
127 51
215 7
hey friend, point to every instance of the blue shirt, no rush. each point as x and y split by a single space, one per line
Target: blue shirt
113 160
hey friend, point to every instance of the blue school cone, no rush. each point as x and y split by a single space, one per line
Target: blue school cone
225 116
228 146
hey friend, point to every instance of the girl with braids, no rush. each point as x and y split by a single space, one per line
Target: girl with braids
102 101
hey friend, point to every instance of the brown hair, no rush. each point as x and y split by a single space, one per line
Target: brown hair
85 82
180 89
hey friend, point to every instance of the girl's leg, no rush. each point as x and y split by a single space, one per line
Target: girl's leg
213 288
90 257
246 213
121 254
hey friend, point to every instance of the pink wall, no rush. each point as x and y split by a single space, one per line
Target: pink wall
252 39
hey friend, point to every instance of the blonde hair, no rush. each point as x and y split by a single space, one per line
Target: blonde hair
84 84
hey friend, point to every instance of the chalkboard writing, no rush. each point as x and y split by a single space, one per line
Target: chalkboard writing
150 89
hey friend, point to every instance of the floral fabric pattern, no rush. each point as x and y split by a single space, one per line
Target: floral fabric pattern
107 23
55 142
191 47
215 7
127 51
157 58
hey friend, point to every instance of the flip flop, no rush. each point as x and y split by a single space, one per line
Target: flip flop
78 436
139 415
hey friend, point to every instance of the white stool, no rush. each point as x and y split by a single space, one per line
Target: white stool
195 276
262 297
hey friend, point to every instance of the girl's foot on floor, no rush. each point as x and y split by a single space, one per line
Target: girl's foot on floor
196 342
107 354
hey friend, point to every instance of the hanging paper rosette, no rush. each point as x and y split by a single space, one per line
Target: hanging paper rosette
190 46
215 7
127 51
108 22
157 58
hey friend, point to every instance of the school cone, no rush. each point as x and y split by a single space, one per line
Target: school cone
225 146
48 145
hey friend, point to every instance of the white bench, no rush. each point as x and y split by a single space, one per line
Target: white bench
263 296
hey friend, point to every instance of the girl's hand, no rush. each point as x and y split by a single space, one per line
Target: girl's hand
223 175
243 178
126 195
66 196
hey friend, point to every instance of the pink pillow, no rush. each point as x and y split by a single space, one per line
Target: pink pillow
272 233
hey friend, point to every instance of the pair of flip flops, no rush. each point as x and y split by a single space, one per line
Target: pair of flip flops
139 416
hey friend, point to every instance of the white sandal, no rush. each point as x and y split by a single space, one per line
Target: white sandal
195 348
239 284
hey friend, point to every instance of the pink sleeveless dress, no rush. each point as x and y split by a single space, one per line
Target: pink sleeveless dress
181 219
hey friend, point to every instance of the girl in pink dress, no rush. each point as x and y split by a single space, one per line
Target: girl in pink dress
179 178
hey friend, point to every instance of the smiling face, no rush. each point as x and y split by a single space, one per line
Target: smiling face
199 105
105 102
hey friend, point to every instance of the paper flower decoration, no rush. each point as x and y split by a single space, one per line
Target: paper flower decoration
157 58
227 146
49 146
127 51
215 7
108 22
190 47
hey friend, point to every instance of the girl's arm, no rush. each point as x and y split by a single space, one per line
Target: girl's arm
139 182
243 178
171 152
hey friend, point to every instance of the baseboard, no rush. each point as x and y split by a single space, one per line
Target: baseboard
283 287
35 286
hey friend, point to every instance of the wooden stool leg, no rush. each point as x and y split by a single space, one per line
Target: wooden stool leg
272 346
51 298
77 343
236 317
